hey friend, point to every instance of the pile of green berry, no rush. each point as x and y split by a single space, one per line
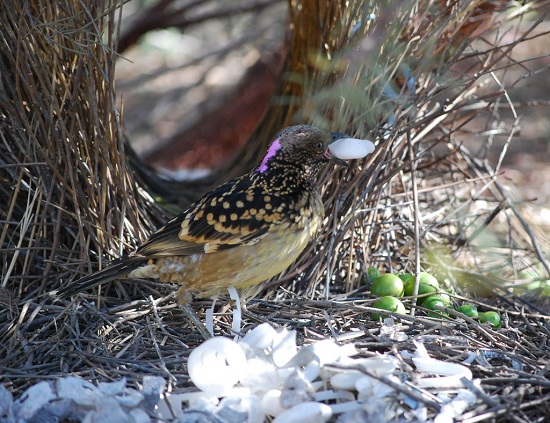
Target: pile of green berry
390 287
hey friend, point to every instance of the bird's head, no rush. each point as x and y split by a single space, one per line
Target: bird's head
305 147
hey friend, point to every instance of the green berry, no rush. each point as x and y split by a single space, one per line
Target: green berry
387 285
427 284
490 316
468 310
389 304
373 273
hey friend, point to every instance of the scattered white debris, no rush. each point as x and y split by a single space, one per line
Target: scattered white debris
75 399
392 331
454 408
264 376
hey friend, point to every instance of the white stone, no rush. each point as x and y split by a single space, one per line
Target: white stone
350 148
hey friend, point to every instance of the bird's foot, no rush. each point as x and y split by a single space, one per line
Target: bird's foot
188 311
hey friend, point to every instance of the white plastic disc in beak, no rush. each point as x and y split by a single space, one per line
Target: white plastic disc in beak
350 148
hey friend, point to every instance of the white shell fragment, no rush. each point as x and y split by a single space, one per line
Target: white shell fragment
248 407
350 148
33 400
79 390
306 412
452 373
272 403
283 348
260 375
261 337
216 365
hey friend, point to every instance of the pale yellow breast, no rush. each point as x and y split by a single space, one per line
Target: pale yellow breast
239 267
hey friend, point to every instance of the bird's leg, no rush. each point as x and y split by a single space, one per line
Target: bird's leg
184 297
193 318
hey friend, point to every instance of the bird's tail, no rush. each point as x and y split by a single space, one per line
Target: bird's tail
117 269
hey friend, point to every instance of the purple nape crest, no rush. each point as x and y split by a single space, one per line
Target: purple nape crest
273 148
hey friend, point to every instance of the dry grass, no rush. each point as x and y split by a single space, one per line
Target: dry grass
422 201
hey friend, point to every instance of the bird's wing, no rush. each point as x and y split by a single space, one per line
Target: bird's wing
233 214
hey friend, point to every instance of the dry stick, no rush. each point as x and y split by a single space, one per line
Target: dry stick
505 409
409 390
330 325
479 230
416 225
163 365
478 392
524 224
153 304
5 229
354 306
24 225
331 247
526 227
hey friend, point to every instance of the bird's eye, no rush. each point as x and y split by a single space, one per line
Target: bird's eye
319 146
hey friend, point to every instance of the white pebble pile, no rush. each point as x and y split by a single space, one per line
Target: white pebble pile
266 374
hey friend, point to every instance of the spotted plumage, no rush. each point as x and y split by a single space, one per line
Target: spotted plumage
241 233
